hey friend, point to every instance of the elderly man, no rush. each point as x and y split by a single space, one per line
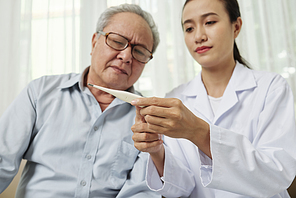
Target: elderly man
77 139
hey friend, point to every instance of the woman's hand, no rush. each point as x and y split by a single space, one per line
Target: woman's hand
169 116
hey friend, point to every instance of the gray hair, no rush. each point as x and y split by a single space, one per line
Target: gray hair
109 12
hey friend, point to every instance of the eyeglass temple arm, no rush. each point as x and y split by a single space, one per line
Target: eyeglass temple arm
103 33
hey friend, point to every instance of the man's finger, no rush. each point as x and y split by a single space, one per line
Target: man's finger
145 137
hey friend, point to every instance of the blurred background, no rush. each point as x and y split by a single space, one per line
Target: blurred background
45 37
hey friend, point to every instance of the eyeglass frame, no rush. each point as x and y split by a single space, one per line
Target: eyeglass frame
128 44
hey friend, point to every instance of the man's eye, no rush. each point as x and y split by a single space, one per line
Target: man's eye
117 42
139 52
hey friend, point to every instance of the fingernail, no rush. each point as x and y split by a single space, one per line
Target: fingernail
134 102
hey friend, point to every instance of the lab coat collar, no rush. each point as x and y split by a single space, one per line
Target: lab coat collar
196 91
195 87
242 79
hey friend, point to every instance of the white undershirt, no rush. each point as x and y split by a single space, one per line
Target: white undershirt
215 102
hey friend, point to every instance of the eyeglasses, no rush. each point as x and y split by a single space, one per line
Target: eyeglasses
119 43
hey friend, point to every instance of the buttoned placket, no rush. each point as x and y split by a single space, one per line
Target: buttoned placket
89 153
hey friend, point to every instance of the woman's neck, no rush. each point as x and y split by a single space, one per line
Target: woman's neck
216 79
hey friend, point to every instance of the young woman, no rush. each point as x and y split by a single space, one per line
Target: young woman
230 132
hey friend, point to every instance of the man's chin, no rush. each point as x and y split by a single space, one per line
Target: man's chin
118 86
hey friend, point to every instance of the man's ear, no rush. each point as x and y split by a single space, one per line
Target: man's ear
94 41
237 26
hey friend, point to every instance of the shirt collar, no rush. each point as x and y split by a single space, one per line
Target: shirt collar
80 80
74 80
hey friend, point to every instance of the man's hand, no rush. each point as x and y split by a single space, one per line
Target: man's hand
145 139
150 141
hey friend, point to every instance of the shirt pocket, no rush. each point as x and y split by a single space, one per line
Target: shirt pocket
123 164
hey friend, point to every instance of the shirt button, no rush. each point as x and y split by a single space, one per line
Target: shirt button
88 157
83 183
95 128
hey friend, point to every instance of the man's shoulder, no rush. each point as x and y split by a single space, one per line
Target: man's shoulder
58 78
55 80
52 82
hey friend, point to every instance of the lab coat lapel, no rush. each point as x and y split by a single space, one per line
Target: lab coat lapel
229 99
242 79
203 106
197 98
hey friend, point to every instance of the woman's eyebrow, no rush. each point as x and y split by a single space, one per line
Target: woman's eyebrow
187 21
202 17
208 14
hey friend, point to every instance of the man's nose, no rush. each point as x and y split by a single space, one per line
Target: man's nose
126 55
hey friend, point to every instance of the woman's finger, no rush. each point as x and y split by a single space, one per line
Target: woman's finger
153 101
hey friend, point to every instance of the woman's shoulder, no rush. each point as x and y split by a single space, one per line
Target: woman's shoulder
189 88
259 78
270 78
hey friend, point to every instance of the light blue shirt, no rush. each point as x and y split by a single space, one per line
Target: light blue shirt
72 148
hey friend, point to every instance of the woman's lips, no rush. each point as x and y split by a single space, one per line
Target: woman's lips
202 49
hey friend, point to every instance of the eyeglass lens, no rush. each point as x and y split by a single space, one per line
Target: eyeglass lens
118 42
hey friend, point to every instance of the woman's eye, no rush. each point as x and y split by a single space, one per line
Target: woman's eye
188 29
210 22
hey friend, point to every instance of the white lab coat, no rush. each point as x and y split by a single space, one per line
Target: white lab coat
252 140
